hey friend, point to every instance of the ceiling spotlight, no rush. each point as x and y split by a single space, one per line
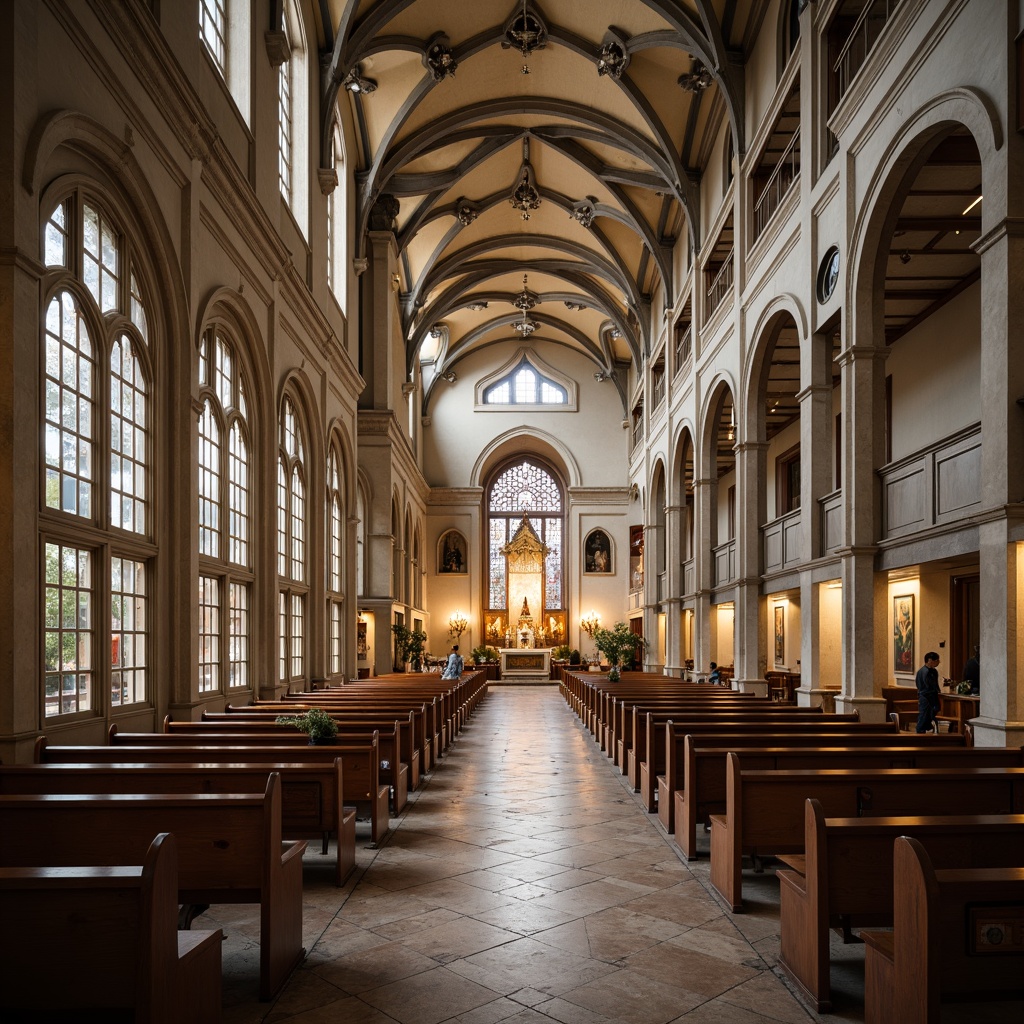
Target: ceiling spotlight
356 84
600 376
904 257
575 307
476 307
698 79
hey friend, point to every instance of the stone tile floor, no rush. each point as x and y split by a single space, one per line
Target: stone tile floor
526 884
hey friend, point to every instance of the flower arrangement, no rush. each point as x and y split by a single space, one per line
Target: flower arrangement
963 688
315 722
619 646
483 654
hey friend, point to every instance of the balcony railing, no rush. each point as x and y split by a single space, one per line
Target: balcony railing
689 577
658 387
780 541
831 509
725 563
684 346
638 432
866 29
721 285
786 171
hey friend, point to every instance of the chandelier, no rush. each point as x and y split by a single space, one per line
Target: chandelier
524 302
525 32
525 197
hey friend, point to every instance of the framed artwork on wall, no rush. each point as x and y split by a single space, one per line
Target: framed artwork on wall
597 553
903 634
451 554
780 634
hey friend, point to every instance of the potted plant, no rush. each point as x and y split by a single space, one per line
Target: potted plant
410 644
561 653
483 655
315 722
619 646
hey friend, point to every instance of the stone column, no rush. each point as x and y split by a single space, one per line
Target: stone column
703 573
864 590
1001 543
671 604
749 655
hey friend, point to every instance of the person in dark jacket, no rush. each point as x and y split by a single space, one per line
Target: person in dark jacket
927 682
972 671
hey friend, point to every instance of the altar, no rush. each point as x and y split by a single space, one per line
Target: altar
526 664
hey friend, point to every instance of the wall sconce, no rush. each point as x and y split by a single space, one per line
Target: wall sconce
904 257
590 623
396 282
457 624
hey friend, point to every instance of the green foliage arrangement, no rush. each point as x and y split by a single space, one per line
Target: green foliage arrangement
562 653
619 646
410 643
483 654
316 722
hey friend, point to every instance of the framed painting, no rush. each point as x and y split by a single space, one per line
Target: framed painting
451 554
903 634
597 553
780 634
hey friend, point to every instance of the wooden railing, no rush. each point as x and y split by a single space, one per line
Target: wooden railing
721 285
684 347
831 510
786 171
780 541
725 563
867 28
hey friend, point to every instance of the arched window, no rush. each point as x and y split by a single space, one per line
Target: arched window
337 276
525 487
96 517
225 524
525 386
335 562
291 546
292 109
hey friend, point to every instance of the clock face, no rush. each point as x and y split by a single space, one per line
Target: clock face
828 274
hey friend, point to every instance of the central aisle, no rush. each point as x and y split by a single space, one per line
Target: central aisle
524 884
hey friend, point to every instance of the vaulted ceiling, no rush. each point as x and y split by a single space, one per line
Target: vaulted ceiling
602 113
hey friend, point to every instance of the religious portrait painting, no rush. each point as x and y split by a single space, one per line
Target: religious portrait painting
597 553
903 633
780 634
451 553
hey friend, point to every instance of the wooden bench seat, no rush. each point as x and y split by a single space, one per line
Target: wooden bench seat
957 934
765 809
263 730
847 875
103 941
311 793
694 781
649 747
230 850
360 763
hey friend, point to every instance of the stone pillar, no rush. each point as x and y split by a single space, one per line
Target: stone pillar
749 651
382 346
703 573
864 591
1001 545
671 605
654 539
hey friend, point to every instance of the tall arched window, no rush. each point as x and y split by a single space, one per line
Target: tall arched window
335 562
293 584
96 518
225 524
526 487
293 117
337 277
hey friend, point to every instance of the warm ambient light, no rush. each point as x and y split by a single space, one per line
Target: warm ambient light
971 207
457 625
590 623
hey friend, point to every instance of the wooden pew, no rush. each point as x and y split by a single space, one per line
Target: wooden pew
649 748
846 874
262 729
765 809
230 850
694 780
104 941
956 935
311 794
360 763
